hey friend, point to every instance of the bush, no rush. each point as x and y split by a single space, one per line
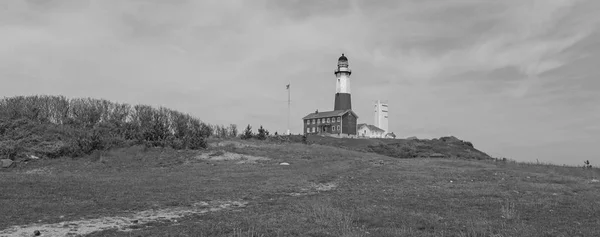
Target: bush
262 133
54 126
233 132
587 165
247 133
9 149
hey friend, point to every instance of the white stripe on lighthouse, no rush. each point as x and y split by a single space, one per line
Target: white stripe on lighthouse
343 81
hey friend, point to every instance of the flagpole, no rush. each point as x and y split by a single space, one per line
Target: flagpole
289 108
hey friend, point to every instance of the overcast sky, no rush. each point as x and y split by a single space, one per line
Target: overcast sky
518 78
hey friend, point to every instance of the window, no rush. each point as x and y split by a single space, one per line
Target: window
338 127
328 120
339 119
308 121
318 121
323 120
313 129
307 130
313 122
333 128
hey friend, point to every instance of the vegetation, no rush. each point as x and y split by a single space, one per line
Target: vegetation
262 133
587 165
369 195
446 147
130 161
248 134
54 126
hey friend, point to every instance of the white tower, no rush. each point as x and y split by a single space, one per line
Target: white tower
342 73
381 115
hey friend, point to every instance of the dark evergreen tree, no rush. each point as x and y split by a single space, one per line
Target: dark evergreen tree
247 133
262 133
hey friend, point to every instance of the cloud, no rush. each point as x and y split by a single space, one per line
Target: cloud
499 73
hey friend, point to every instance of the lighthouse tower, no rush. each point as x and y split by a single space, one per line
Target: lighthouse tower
342 95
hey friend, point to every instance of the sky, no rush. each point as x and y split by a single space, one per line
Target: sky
518 78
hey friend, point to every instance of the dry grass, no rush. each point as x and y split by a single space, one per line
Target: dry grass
373 195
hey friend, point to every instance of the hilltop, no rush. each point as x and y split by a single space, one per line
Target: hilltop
444 147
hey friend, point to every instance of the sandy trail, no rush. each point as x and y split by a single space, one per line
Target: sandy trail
230 156
122 223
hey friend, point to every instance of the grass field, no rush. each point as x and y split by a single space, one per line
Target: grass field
325 191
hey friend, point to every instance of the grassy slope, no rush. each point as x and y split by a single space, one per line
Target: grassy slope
411 197
450 147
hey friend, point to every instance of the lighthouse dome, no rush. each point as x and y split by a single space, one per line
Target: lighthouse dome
343 61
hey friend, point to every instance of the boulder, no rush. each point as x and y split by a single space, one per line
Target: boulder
284 163
6 163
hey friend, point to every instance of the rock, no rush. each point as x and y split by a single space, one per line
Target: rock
594 181
33 157
37 233
284 163
6 163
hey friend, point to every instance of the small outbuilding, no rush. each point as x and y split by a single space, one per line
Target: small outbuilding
370 131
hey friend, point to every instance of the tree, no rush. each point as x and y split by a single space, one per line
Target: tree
276 133
247 133
233 132
262 133
587 164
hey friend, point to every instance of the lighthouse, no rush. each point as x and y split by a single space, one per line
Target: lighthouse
341 121
342 95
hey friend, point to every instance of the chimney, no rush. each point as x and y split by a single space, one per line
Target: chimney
316 111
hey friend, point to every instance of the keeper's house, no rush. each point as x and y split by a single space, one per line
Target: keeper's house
341 122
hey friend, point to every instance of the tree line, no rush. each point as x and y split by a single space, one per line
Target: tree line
98 123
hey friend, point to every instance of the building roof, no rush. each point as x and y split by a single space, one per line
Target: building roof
391 134
371 127
329 114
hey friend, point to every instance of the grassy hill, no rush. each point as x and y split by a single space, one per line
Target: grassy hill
143 171
448 147
239 188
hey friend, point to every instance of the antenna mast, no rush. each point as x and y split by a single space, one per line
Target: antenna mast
289 108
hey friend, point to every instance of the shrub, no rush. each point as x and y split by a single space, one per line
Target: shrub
55 126
587 165
262 133
233 131
247 133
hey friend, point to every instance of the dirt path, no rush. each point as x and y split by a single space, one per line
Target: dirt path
122 223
